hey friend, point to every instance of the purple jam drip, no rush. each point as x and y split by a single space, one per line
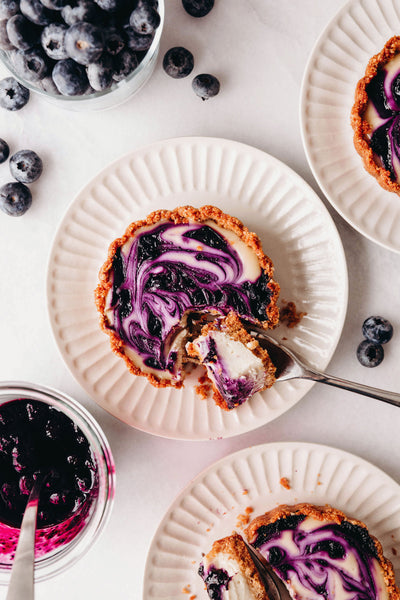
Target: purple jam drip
36 437
162 278
216 580
319 555
385 96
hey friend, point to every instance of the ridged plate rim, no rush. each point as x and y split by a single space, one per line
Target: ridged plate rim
96 216
354 194
208 508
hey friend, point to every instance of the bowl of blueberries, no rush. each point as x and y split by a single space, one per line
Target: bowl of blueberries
80 54
46 434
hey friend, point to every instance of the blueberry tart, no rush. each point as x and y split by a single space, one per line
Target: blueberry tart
172 272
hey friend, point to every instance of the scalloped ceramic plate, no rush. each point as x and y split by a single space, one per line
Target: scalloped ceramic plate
295 228
338 60
211 506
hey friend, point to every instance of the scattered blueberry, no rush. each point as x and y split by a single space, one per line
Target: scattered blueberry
35 12
370 354
5 43
144 19
198 8
26 166
31 65
15 198
205 86
52 40
13 95
377 330
4 151
70 77
178 62
84 42
100 73
8 8
22 33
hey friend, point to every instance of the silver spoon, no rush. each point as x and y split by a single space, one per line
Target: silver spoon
289 366
22 572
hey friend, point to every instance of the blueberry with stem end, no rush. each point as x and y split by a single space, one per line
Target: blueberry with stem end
53 41
15 198
178 62
13 95
198 8
377 330
31 65
4 151
144 19
84 42
370 354
70 77
205 86
26 166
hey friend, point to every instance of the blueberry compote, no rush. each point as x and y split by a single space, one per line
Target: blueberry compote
216 581
169 269
38 438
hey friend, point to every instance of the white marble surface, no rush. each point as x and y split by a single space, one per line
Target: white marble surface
259 50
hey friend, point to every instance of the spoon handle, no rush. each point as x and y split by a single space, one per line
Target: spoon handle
351 386
22 573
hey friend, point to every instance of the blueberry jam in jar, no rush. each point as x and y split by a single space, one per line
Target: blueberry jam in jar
44 433
38 438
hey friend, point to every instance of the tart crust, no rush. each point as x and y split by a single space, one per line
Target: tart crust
325 513
362 129
233 546
182 214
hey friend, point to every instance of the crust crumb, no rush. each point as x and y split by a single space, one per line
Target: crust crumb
284 481
288 314
244 519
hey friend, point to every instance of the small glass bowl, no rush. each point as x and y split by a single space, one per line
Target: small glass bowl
118 93
54 555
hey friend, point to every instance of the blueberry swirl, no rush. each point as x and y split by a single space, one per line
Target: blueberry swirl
170 268
325 560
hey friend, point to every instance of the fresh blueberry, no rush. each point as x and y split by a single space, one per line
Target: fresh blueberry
114 42
31 65
110 5
35 12
4 151
5 43
100 73
370 354
82 10
144 19
136 41
124 63
84 42
15 198
54 4
198 8
205 86
47 85
70 77
13 95
52 40
8 8
178 62
22 33
26 166
377 330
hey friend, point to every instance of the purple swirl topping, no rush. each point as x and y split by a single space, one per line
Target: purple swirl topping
384 94
330 561
169 269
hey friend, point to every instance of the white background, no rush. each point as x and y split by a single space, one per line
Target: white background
258 49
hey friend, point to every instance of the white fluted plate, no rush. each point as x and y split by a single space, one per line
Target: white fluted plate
339 59
210 507
295 228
